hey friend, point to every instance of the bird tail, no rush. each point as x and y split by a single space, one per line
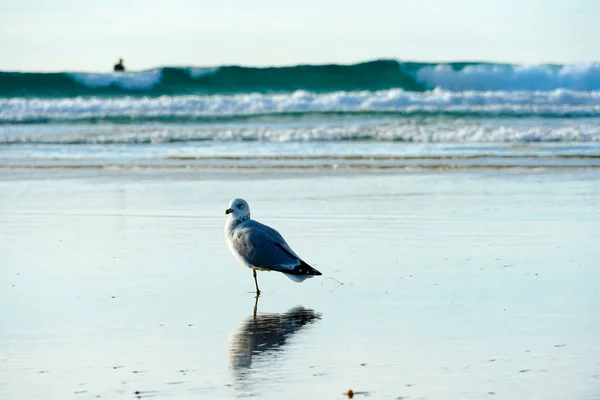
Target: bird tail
301 272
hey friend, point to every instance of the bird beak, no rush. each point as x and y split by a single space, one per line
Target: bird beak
228 211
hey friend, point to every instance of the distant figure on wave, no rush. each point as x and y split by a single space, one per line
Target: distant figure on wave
120 67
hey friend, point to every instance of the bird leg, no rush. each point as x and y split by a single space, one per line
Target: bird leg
256 282
255 307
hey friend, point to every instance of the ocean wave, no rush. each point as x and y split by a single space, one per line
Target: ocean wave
414 130
369 76
487 77
128 81
375 75
557 103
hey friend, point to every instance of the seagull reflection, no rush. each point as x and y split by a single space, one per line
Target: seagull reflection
264 335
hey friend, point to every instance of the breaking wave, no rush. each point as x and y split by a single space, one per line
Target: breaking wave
369 76
557 103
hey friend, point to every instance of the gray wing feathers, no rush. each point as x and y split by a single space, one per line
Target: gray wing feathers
264 247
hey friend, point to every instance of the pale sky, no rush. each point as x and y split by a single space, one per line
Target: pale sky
81 35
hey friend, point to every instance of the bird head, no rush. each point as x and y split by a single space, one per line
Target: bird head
239 209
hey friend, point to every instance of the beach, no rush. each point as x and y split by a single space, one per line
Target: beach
441 283
452 208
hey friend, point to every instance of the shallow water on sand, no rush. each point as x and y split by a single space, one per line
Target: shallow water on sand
446 285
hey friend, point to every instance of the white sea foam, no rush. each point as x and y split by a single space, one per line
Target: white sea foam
554 103
125 80
582 77
138 80
416 130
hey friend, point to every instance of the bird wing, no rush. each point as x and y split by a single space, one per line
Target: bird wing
264 247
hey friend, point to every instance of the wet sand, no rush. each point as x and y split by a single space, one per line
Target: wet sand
436 284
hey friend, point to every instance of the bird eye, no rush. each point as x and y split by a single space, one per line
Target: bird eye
240 205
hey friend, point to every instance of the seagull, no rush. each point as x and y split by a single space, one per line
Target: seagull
260 247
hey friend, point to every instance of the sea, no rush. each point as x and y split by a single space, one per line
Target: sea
382 114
